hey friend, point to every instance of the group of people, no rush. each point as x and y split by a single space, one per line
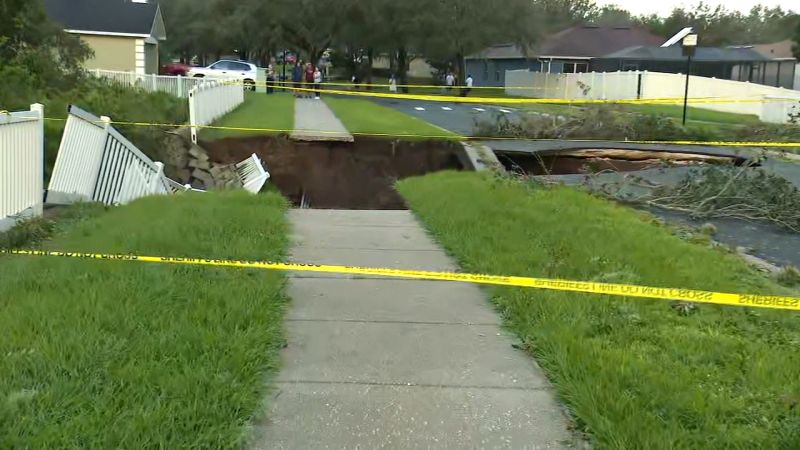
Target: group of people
306 81
450 82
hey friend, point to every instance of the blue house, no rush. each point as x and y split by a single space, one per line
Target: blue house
569 51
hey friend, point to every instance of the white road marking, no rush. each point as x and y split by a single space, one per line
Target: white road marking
505 111
479 109
420 108
447 108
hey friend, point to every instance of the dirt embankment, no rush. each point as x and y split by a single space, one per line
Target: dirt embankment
327 175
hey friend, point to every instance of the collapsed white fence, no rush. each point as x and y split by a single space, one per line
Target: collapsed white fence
252 174
770 104
212 100
174 85
96 163
21 164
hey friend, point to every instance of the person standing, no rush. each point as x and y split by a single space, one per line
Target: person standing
297 77
393 84
270 79
318 82
309 81
450 81
469 82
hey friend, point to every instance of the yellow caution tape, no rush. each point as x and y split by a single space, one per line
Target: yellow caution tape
278 84
525 101
589 287
455 137
308 87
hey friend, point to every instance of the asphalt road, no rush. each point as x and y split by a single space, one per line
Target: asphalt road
456 117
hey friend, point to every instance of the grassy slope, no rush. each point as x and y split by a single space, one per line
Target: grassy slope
695 114
634 373
259 110
103 354
364 116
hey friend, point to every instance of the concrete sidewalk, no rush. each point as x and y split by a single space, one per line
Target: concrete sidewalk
380 363
314 121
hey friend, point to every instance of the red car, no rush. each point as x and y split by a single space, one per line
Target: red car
175 69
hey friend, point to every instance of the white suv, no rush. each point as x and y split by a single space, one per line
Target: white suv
227 69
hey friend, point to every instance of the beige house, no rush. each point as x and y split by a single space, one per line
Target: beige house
417 68
781 50
124 34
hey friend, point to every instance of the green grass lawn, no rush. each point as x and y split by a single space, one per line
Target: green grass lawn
366 117
634 373
259 110
694 114
105 354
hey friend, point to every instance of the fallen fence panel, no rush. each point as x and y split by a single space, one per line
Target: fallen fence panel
252 174
96 163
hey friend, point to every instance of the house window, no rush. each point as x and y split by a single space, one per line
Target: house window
497 75
576 67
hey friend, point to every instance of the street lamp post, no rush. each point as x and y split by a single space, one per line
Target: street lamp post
689 47
283 74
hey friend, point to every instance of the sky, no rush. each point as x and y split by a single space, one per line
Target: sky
664 7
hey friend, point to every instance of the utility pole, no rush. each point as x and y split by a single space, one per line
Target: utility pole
689 47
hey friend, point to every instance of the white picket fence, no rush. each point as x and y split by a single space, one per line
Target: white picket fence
252 174
770 104
212 100
96 163
174 85
21 164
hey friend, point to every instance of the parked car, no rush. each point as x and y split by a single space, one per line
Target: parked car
175 69
227 69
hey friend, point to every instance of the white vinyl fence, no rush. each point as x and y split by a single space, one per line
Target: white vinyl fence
96 163
252 174
174 85
21 164
770 104
212 100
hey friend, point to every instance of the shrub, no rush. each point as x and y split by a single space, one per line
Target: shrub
593 122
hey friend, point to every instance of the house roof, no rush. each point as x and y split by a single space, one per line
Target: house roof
594 41
502 51
106 16
675 53
782 49
585 41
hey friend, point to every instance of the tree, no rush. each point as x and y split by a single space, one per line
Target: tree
613 15
796 46
720 27
557 15
453 29
29 40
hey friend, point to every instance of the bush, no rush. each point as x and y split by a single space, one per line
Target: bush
593 122
30 232
26 233
120 103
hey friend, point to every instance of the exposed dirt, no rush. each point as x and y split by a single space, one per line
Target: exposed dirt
341 175
592 161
